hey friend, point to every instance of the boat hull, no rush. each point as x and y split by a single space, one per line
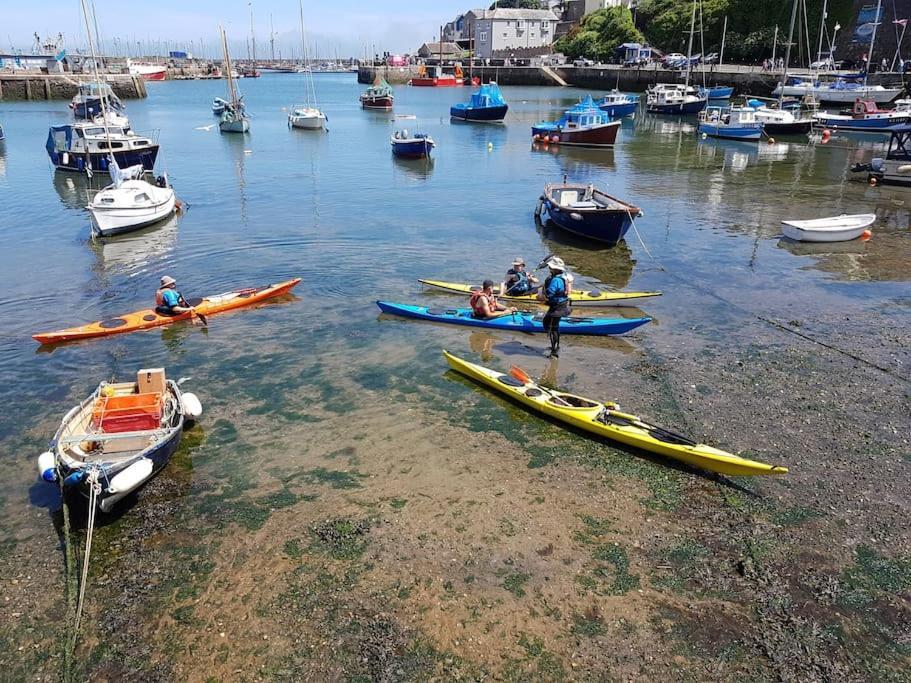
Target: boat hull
518 322
616 111
148 318
583 413
837 229
376 102
236 126
98 161
693 107
479 114
444 82
719 92
730 132
845 96
844 122
604 135
607 227
116 221
307 122
795 128
412 149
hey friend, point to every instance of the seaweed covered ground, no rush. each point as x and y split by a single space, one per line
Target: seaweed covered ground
413 526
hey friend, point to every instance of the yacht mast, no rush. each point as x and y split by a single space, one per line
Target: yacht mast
787 54
232 93
689 49
104 111
879 7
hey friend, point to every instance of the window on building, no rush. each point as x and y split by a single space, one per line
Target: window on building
482 36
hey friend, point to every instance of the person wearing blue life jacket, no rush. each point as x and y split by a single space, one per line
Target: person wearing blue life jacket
168 301
556 294
519 281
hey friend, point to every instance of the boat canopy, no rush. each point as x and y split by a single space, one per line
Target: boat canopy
59 138
380 88
488 96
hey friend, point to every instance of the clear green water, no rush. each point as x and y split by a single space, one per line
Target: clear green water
336 209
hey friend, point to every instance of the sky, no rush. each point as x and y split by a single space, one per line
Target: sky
346 26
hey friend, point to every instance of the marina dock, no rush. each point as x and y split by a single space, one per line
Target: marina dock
36 86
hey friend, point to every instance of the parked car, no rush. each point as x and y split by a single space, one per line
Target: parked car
582 61
674 60
711 58
638 61
824 64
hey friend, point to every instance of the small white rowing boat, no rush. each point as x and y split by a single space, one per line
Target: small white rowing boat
835 229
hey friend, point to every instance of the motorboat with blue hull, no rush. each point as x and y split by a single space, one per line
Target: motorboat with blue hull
411 145
486 106
618 104
119 437
674 99
85 145
730 123
867 117
895 167
587 212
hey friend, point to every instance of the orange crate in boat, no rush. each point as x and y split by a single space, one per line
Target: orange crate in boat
131 413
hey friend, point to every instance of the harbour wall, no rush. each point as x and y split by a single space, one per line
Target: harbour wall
745 79
14 86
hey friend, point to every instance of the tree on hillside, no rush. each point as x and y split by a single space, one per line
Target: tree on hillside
599 34
516 4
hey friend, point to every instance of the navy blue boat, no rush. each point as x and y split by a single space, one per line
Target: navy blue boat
486 105
587 212
411 146
85 144
618 104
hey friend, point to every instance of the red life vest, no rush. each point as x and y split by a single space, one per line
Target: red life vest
476 306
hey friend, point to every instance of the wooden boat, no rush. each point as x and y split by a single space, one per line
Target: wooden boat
730 123
486 105
378 96
836 229
895 168
119 437
411 145
584 125
588 212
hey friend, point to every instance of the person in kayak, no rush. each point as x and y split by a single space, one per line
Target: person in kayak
168 301
555 293
484 304
519 281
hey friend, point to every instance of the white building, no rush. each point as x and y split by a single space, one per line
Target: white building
499 31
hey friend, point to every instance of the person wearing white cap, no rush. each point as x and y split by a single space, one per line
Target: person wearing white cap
519 281
168 301
556 294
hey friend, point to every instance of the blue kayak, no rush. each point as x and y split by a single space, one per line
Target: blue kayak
520 322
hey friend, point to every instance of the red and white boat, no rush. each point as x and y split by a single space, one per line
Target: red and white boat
438 79
149 72
585 125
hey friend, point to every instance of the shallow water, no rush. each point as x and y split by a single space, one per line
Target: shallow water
286 384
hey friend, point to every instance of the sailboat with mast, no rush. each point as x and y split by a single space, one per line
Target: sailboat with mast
129 203
234 118
307 116
673 98
780 121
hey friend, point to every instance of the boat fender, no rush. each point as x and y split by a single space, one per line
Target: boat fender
704 136
46 466
873 181
191 406
866 235
576 216
771 141
75 478
131 477
489 146
904 168
555 138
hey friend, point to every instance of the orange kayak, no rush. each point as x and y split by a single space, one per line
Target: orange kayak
143 320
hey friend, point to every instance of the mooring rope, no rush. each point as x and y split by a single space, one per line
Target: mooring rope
70 560
768 321
94 490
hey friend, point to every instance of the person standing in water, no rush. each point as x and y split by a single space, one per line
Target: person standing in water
555 293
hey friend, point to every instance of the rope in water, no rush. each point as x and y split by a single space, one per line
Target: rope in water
768 321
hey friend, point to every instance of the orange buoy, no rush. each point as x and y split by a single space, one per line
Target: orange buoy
771 141
555 138
866 235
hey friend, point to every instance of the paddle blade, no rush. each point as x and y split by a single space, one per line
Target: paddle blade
519 374
202 319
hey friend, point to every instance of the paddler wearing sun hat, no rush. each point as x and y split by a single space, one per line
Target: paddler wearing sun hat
555 293
168 301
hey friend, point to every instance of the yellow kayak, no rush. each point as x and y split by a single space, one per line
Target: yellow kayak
590 298
605 420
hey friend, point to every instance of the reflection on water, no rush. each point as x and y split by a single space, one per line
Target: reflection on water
240 150
75 189
137 252
612 266
577 161
884 257
413 169
2 157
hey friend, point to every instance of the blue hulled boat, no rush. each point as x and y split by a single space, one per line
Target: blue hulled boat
85 144
411 146
731 123
617 104
674 98
486 105
718 92
587 212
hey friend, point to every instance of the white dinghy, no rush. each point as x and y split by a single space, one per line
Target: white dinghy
130 203
836 229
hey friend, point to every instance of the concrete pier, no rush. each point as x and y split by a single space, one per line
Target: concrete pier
35 86
745 79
